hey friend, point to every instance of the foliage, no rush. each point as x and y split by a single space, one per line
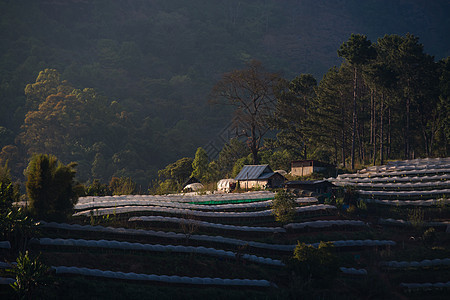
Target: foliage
96 188
17 227
316 263
30 274
122 186
200 165
291 117
8 192
415 217
51 187
429 236
178 171
230 153
283 206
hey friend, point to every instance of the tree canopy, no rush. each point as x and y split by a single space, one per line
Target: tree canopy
251 91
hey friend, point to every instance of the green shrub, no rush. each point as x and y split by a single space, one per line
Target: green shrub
315 263
429 236
283 206
30 274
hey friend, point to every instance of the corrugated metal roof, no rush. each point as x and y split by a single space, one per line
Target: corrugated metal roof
252 172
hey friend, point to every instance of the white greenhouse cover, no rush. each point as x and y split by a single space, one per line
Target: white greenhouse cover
153 248
5 245
324 224
162 278
140 202
225 185
391 179
415 264
409 202
353 271
207 238
181 197
405 193
179 211
197 186
425 286
407 223
206 224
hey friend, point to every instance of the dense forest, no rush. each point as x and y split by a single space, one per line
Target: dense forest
122 88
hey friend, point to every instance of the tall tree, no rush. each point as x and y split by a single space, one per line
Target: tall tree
416 90
291 114
357 51
51 188
200 164
252 92
330 117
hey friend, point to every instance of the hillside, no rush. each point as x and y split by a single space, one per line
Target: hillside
159 59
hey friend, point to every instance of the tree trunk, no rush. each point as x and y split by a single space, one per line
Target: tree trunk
355 85
343 137
388 154
407 150
374 141
253 146
381 130
335 151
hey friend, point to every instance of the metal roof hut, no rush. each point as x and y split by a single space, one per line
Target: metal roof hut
259 176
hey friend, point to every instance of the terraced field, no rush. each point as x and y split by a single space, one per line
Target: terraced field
229 245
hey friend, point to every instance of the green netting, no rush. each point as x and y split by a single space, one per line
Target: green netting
230 201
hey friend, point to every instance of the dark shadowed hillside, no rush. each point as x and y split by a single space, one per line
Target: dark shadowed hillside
153 64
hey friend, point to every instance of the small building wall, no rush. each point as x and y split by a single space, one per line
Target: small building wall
244 184
307 167
277 180
302 171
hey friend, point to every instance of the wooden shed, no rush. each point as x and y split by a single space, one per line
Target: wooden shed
307 167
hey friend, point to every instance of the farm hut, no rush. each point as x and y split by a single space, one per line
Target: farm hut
226 185
262 176
307 167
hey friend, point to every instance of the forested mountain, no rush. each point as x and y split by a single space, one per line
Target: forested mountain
129 81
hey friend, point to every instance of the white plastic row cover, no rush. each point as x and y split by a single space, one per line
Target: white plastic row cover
143 202
416 264
395 173
5 245
408 223
431 202
206 224
393 179
416 161
353 271
405 167
180 211
405 193
426 286
207 238
155 248
182 197
162 278
398 186
324 224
